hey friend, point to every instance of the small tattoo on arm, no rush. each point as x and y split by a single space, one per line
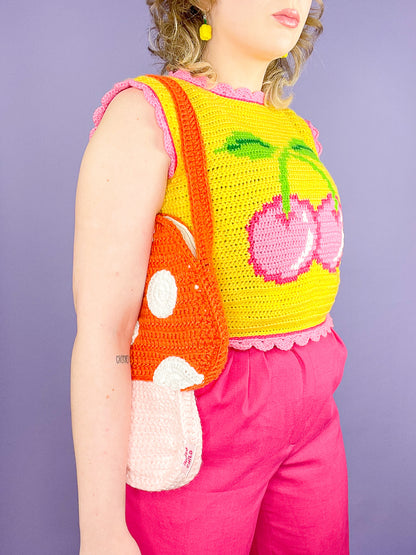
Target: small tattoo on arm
122 358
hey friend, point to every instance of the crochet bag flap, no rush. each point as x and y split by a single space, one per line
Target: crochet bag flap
181 337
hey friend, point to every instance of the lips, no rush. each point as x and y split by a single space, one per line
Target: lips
288 17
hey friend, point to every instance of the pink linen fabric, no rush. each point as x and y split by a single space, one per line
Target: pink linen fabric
273 478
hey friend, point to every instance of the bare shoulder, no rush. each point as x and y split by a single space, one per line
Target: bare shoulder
131 119
128 147
129 104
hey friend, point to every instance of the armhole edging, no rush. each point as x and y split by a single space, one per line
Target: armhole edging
153 99
315 135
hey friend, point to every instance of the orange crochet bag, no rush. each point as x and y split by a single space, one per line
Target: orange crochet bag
182 330
181 337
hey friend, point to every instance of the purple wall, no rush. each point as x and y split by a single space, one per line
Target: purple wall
58 59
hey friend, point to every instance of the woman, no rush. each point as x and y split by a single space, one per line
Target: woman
274 474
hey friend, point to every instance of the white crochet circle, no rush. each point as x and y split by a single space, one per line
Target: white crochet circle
161 294
176 373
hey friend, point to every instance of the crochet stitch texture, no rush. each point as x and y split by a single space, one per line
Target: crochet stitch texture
278 229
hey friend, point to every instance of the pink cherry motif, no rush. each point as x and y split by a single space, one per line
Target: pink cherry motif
282 247
330 234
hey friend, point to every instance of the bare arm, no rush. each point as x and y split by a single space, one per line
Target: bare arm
120 189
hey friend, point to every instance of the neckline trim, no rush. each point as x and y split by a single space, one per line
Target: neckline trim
222 89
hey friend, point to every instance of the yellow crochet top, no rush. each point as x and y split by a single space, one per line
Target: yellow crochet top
278 234
278 230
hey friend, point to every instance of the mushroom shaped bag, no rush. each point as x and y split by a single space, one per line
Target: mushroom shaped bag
180 342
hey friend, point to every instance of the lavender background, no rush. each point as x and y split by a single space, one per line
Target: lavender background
58 59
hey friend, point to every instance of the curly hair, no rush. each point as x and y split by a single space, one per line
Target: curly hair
178 44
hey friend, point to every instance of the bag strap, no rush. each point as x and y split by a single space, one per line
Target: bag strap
194 156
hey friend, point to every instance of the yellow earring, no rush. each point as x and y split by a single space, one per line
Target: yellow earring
284 56
205 30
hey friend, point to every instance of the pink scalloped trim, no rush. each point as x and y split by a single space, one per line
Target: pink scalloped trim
315 134
222 89
152 98
283 341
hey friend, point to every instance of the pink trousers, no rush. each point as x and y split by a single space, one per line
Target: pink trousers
273 478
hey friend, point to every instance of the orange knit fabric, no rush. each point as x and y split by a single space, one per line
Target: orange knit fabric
182 341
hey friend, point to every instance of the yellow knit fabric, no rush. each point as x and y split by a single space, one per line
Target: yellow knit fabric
245 143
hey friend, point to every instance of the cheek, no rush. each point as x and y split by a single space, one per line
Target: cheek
304 9
244 30
233 22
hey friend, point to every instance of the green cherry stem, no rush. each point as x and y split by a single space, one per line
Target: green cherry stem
284 178
324 176
284 182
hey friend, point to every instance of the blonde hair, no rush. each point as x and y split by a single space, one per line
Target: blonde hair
177 42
